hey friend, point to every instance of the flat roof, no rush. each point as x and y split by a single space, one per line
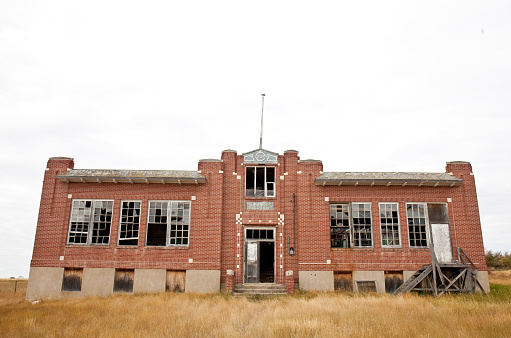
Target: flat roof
132 176
387 178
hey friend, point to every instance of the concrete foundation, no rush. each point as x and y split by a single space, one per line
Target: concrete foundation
44 283
202 281
407 274
482 278
98 282
377 276
316 280
149 280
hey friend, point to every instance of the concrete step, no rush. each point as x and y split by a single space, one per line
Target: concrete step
259 289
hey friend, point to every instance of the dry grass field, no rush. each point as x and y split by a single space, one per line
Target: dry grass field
301 315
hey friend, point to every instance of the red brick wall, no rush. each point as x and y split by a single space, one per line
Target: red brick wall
215 227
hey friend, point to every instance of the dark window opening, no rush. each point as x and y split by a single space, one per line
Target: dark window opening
393 280
72 279
260 181
437 214
123 281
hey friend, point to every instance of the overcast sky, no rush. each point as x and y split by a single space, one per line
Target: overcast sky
360 85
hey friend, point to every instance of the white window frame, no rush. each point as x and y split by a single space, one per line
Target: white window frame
398 226
169 224
426 220
352 225
119 230
266 190
90 226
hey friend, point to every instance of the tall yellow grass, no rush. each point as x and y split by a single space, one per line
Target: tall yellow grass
301 315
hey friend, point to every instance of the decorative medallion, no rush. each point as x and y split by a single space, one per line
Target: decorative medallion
260 156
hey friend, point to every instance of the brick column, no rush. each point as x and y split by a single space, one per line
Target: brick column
290 282
229 281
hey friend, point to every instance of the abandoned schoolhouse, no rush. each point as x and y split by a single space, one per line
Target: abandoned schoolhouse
254 221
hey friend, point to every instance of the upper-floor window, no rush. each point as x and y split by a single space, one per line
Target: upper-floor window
168 223
351 225
416 214
90 222
389 223
130 223
260 181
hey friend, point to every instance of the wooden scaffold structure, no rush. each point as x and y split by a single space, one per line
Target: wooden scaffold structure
439 278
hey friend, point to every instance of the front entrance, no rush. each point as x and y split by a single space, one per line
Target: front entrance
259 256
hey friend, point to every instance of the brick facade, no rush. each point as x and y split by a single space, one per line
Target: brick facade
220 216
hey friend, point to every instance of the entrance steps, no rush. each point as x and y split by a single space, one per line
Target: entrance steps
263 289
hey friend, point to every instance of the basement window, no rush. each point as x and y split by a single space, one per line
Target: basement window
260 182
90 222
130 223
417 230
366 286
123 280
72 279
168 223
351 225
389 222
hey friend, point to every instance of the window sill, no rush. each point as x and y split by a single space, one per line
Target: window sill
172 247
102 246
261 198
367 248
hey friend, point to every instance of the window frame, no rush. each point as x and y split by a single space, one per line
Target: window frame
90 227
426 225
119 228
352 225
266 182
400 245
169 223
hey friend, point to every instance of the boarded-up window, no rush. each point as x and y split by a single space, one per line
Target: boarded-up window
343 281
123 281
175 281
393 280
365 285
72 280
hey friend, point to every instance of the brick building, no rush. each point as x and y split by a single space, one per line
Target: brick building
259 217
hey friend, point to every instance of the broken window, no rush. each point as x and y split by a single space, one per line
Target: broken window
351 225
366 286
389 222
123 280
417 229
130 223
168 223
260 182
362 224
72 279
90 222
259 234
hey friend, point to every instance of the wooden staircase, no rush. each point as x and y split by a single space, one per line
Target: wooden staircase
263 289
438 278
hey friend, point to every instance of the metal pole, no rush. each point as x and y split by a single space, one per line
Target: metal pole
261 137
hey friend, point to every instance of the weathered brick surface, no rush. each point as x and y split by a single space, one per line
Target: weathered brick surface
219 214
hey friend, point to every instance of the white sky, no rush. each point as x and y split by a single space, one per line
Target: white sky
360 85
